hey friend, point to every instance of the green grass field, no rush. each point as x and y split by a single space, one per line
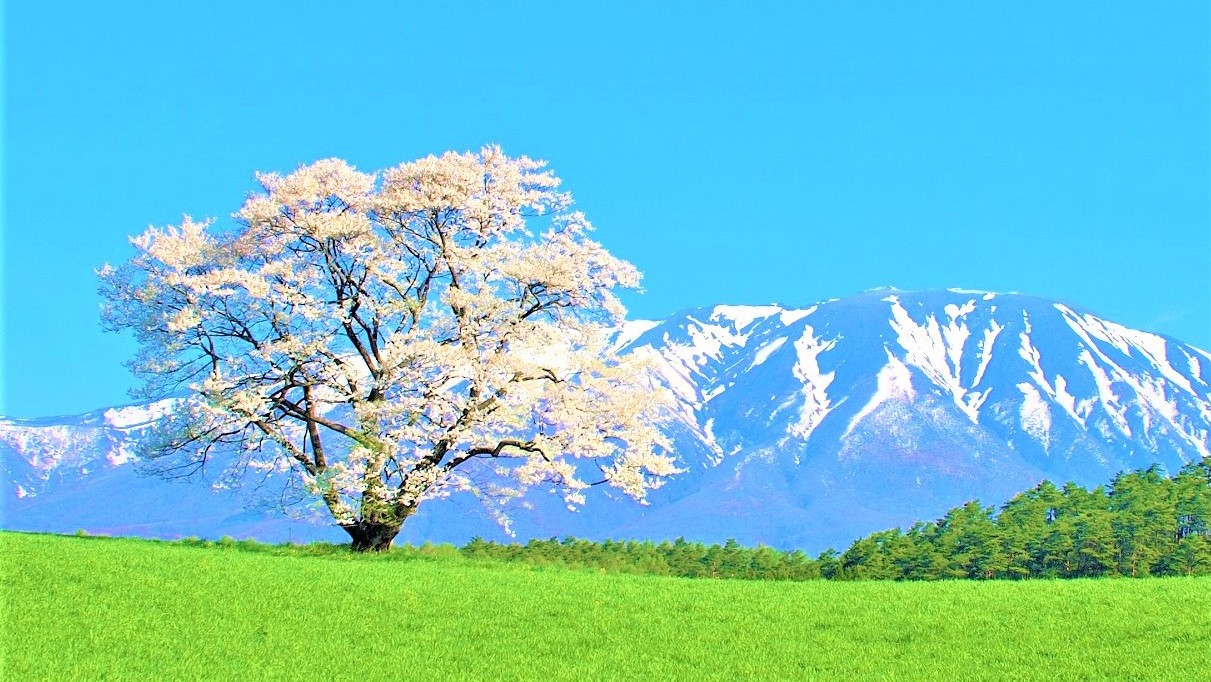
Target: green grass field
98 608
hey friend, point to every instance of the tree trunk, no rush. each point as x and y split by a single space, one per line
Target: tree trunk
372 537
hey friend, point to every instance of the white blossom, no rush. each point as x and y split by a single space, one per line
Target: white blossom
376 334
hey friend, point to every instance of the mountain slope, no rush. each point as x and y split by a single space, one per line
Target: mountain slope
798 427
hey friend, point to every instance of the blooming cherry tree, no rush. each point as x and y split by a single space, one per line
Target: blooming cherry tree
379 337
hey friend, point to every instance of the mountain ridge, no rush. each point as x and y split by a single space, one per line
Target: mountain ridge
808 427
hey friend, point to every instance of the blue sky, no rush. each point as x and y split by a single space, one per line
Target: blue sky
736 153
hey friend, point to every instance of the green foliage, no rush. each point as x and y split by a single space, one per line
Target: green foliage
1144 525
679 558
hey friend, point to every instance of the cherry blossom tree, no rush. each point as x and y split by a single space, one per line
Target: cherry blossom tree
377 337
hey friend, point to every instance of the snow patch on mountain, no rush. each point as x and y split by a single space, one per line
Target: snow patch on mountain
1030 354
766 350
630 331
1196 368
1153 347
894 382
1155 396
815 383
1078 412
742 316
1106 397
789 317
138 416
986 295
984 350
708 340
1036 417
935 350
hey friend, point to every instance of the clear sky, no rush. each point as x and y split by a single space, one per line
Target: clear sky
735 152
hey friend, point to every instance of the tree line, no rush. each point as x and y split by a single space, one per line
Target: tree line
1143 524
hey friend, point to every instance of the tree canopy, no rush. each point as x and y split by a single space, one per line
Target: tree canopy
382 339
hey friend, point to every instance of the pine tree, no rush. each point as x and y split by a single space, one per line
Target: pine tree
1145 520
970 539
1093 548
1025 525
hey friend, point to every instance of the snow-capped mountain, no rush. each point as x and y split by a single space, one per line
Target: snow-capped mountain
829 422
798 427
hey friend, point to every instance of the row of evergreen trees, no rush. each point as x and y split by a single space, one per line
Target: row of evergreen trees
1143 524
679 558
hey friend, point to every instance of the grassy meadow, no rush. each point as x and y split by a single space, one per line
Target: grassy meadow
110 608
